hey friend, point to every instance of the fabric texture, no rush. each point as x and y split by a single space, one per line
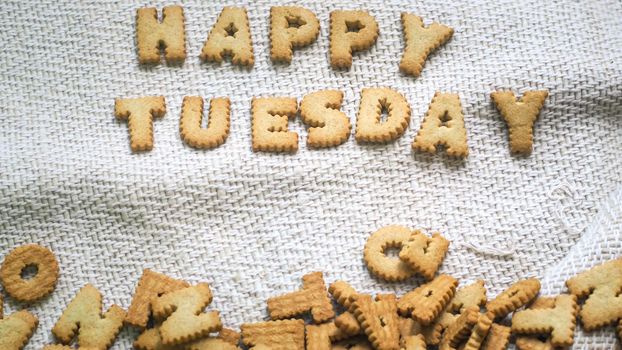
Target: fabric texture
251 224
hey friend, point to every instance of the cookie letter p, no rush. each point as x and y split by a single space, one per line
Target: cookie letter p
139 113
291 27
152 34
350 31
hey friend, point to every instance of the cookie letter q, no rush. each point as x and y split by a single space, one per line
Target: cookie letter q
139 113
151 34
231 35
350 31
291 27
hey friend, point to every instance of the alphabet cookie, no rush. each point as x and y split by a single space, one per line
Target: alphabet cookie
375 101
426 302
16 329
270 116
139 113
169 34
350 31
381 265
420 42
291 27
312 298
230 35
37 287
151 339
559 320
275 335
498 338
520 115
379 319
513 298
328 125
321 337
424 254
343 294
467 332
192 116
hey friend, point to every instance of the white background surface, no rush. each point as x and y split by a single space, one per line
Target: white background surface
252 224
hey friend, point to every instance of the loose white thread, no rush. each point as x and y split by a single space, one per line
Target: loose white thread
488 250
562 191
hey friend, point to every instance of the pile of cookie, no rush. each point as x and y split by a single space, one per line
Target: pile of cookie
171 313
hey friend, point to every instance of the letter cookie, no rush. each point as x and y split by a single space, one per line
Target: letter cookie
350 31
150 339
35 288
270 116
149 288
426 302
415 342
291 27
139 113
375 101
443 125
183 310
387 268
513 298
601 285
355 343
520 116
320 337
420 42
328 125
83 316
312 298
559 321
379 319
231 35
276 335
468 332
151 34
342 292
16 329
192 115
423 254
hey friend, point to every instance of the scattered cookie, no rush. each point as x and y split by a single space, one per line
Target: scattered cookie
277 335
520 116
139 113
192 116
343 293
230 336
379 319
16 329
348 323
498 338
414 342
350 31
82 317
381 265
601 285
465 297
152 35
424 254
443 124
321 337
532 342
270 116
291 27
231 35
420 42
354 343
150 286
513 298
426 302
467 332
183 311
328 126
151 339
37 287
375 102
63 347
312 298
559 321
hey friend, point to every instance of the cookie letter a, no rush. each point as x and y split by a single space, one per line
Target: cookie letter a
152 34
291 27
231 35
350 31
420 42
139 113
520 116
375 101
270 116
190 123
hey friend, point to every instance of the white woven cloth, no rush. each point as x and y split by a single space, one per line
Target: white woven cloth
252 224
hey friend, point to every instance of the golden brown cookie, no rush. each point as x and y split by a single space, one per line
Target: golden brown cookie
379 319
139 113
467 332
348 323
532 342
520 116
230 36
443 124
16 329
559 321
321 337
375 102
150 339
350 31
342 292
82 317
183 311
414 342
153 35
498 338
270 116
424 254
150 286
381 265
328 126
291 27
354 343
312 298
601 285
37 287
230 336
513 298
276 335
427 301
420 42
192 116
